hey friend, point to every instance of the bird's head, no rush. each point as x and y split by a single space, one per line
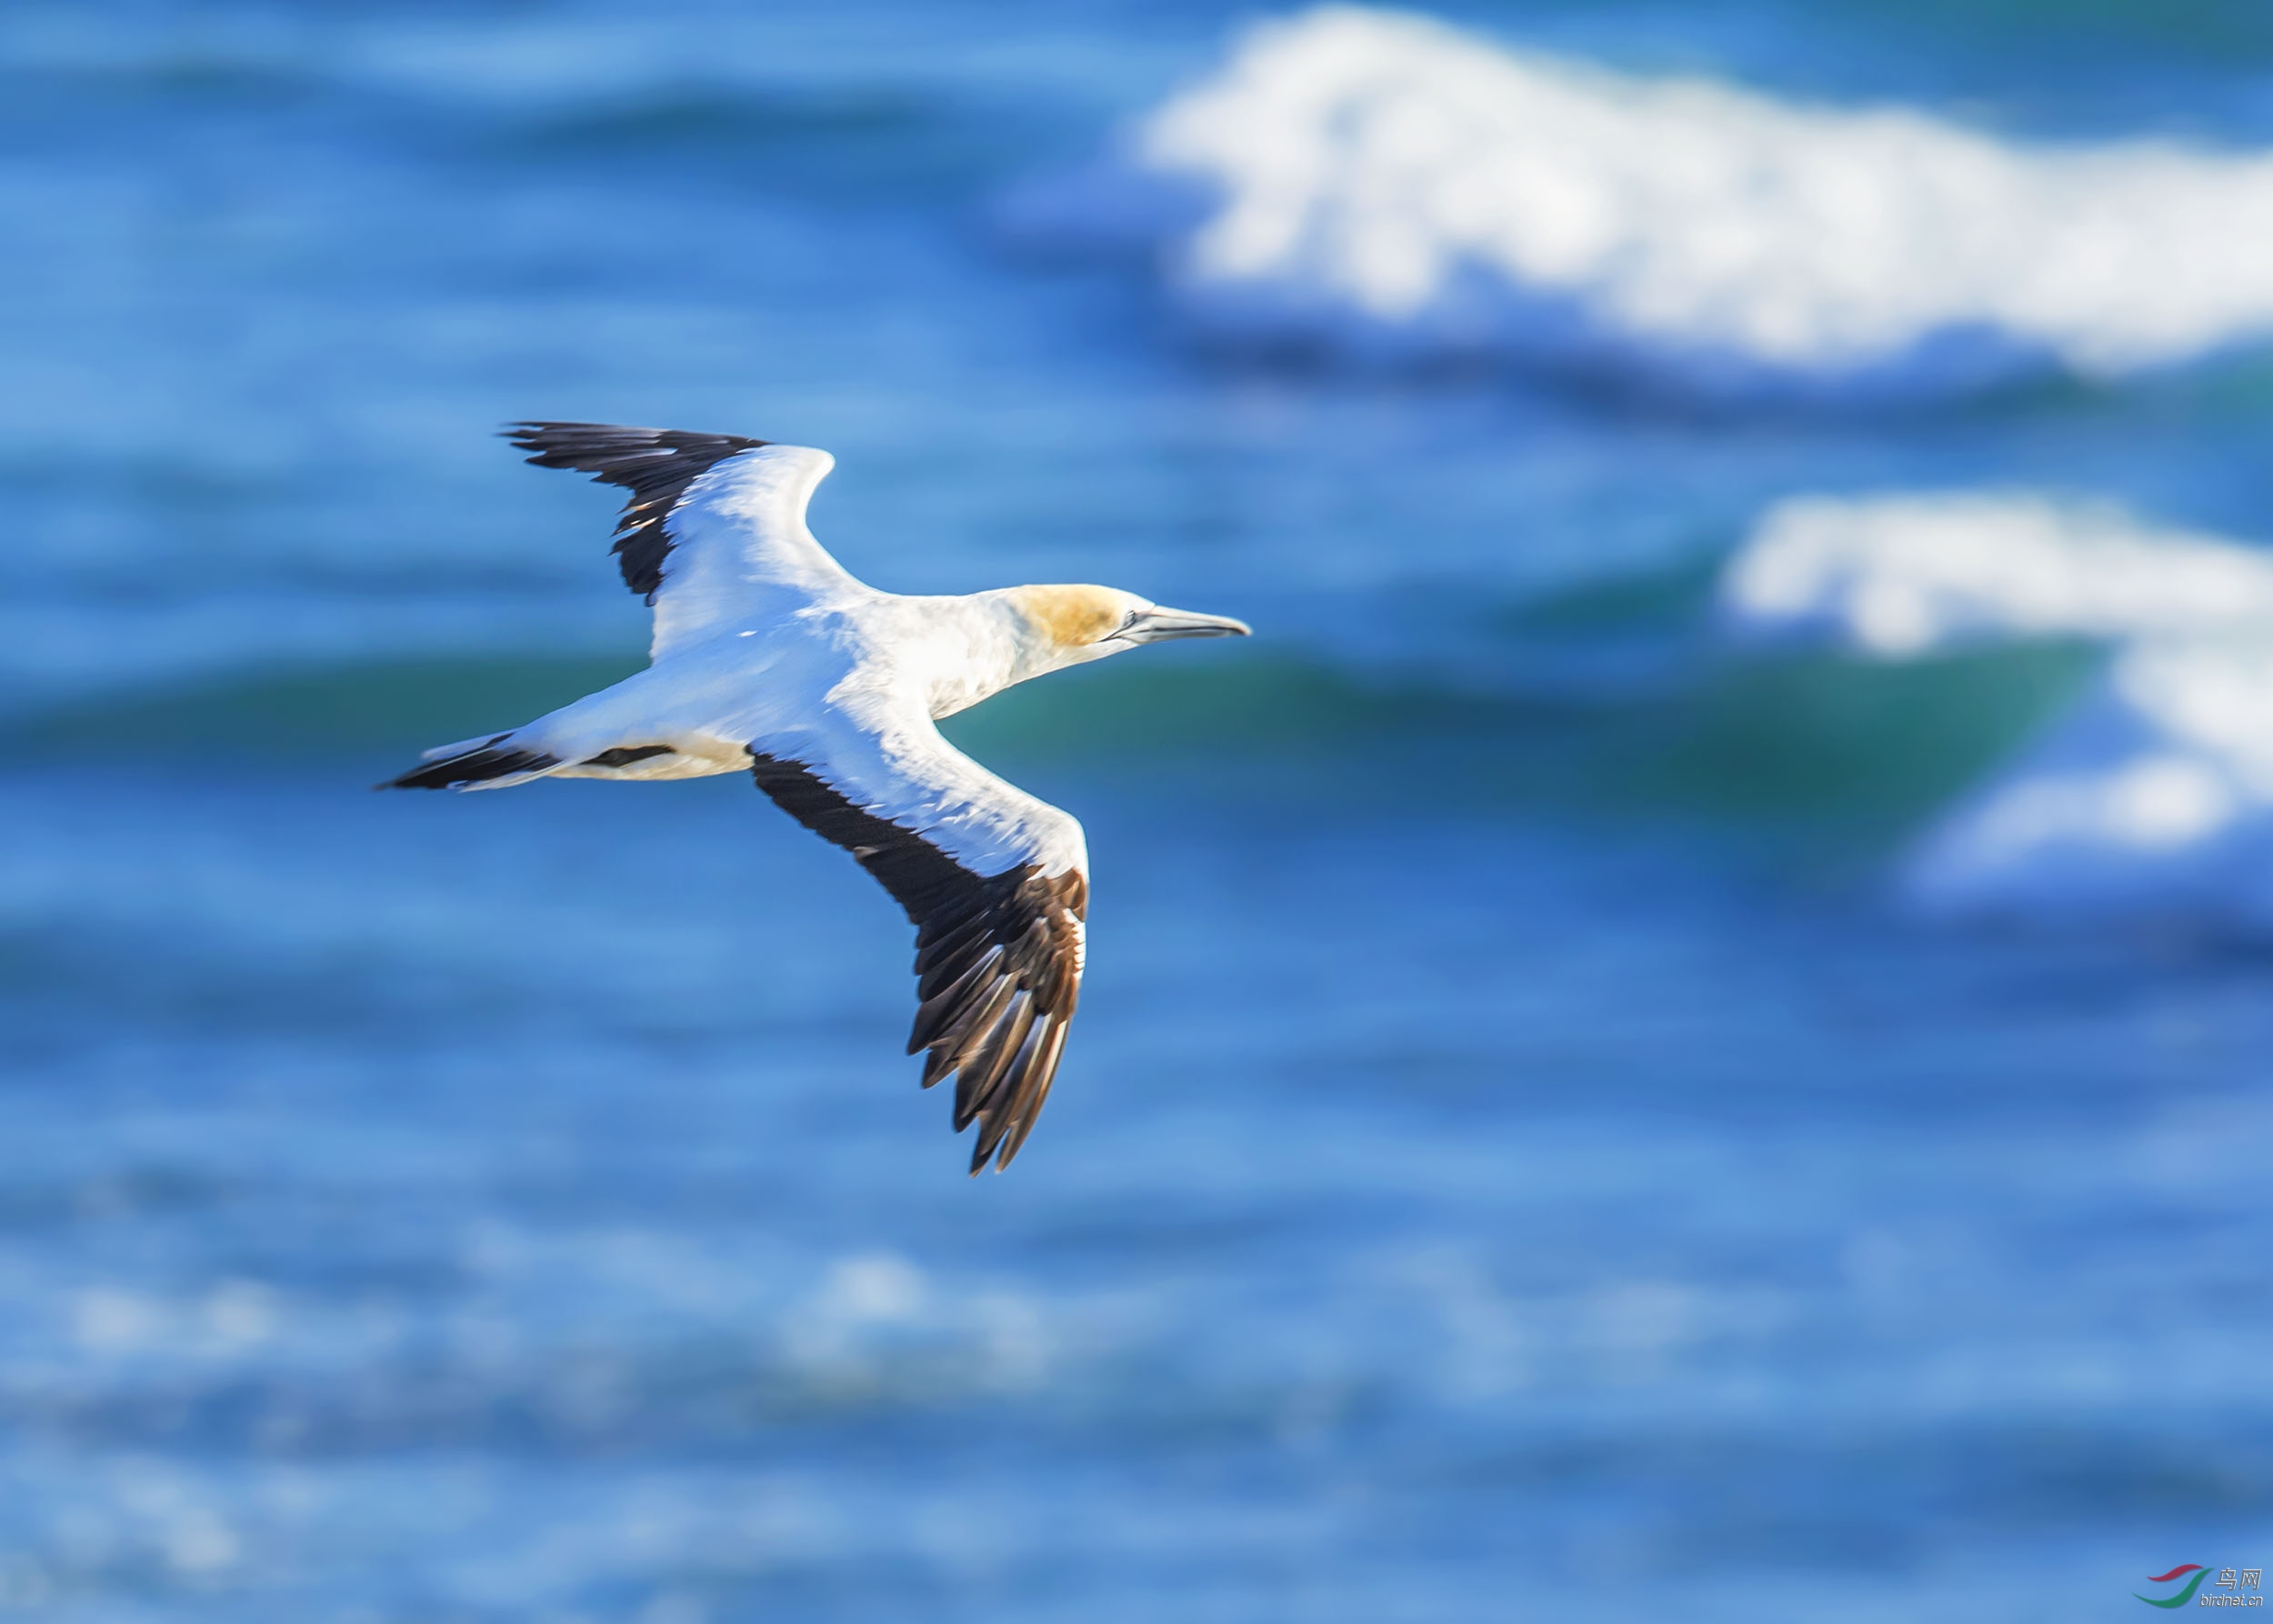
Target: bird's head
1068 626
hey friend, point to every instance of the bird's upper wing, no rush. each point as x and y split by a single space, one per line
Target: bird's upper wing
713 529
994 881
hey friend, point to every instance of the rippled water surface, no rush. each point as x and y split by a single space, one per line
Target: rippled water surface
1529 1146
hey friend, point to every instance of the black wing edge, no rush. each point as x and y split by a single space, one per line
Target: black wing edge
997 958
654 465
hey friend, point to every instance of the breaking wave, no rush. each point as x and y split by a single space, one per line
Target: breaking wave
2153 796
1376 184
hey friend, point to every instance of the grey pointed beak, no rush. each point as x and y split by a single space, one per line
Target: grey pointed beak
1161 626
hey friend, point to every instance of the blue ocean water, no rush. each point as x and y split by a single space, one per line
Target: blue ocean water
1519 1155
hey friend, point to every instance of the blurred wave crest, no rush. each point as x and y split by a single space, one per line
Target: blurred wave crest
1377 185
2153 796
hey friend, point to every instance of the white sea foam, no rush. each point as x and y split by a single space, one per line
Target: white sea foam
2154 796
1376 178
1908 574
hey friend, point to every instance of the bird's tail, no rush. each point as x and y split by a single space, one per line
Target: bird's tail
490 762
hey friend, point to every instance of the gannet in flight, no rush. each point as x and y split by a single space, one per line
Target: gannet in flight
768 657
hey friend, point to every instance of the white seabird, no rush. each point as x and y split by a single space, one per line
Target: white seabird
769 657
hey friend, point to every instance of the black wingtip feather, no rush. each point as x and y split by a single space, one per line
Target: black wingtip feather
654 465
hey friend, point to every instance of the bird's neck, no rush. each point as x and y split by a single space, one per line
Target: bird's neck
978 646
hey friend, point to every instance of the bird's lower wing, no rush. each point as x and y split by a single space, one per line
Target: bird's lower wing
994 881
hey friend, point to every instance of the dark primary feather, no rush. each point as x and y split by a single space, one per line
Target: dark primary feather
654 465
997 958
